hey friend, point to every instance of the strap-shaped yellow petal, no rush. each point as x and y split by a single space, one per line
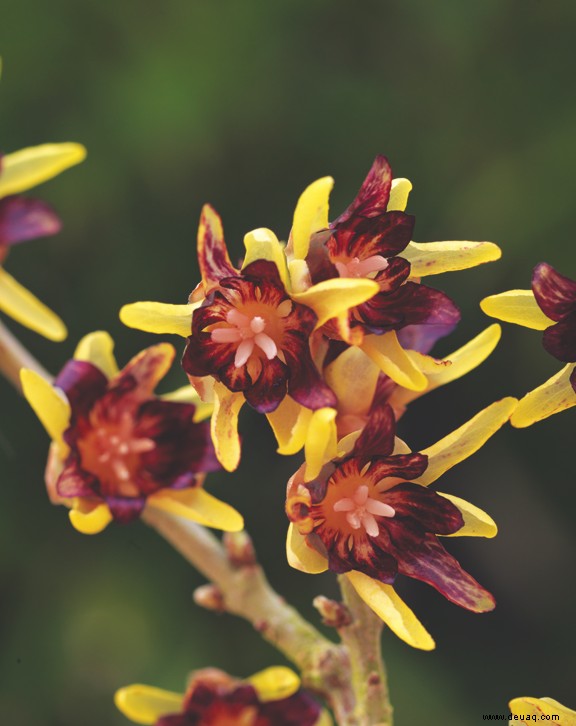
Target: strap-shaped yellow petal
98 348
26 168
299 275
290 423
262 244
163 318
275 683
49 404
300 556
187 394
476 522
392 359
146 704
92 521
390 607
553 396
329 298
310 215
538 708
23 306
466 440
320 446
199 506
433 258
352 377
516 306
224 426
399 192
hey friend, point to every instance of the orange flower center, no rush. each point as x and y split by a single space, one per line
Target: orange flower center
361 510
111 451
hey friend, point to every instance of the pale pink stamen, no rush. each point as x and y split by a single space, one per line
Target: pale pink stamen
117 447
248 332
361 268
361 510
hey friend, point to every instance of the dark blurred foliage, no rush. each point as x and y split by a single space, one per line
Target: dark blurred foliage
242 104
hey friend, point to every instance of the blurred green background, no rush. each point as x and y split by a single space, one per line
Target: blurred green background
242 104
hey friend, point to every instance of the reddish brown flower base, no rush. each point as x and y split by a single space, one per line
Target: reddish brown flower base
125 443
556 296
216 699
363 514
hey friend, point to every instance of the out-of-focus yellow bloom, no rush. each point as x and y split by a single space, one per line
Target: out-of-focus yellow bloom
528 710
20 171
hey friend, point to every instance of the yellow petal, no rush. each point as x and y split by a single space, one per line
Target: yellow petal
310 215
97 348
199 506
476 522
262 244
325 719
92 521
224 426
299 274
352 377
555 395
23 306
290 423
273 684
516 306
49 404
432 258
388 605
392 359
26 168
300 556
155 317
145 704
187 394
320 446
399 192
331 297
540 707
466 440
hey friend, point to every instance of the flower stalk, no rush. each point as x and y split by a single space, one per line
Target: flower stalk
14 356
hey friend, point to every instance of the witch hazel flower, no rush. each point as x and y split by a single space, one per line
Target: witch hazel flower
117 448
371 240
371 516
23 218
549 306
272 697
527 709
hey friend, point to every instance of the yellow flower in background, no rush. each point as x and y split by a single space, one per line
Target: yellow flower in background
528 710
22 219
117 448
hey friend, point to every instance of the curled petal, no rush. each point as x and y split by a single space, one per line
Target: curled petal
541 709
353 377
199 506
25 308
554 293
145 704
269 388
433 258
388 605
476 522
90 520
49 404
516 306
556 394
188 394
331 297
29 167
22 219
560 340
310 215
377 437
302 557
212 253
97 348
275 683
466 440
290 425
154 317
372 198
393 360
224 426
262 244
320 446
399 193
83 383
148 367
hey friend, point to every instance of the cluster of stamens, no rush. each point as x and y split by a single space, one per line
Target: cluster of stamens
362 510
248 333
361 268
